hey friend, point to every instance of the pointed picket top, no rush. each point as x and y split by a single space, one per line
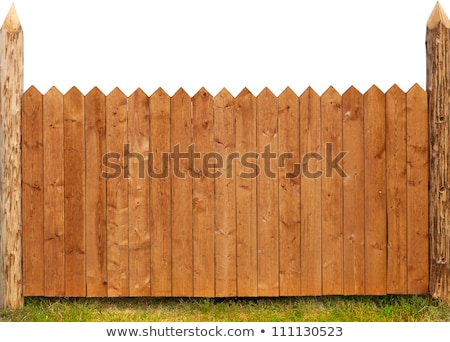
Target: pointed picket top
224 93
74 91
373 90
352 91
32 90
53 91
266 93
288 92
181 93
202 93
245 92
160 92
12 23
438 16
116 92
95 92
395 89
309 92
331 92
138 93
416 88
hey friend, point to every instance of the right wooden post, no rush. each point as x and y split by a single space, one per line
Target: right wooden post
438 89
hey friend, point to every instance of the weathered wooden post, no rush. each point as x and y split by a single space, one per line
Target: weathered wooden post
11 88
438 88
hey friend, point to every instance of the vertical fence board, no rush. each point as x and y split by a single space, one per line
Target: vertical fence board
203 195
246 215
53 149
32 194
311 189
332 206
267 194
138 191
375 191
396 189
96 278
353 188
417 190
74 195
182 253
160 195
225 196
289 192
117 196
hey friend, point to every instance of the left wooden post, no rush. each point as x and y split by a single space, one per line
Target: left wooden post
11 89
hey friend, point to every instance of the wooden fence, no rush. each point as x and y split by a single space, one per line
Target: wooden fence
300 227
222 196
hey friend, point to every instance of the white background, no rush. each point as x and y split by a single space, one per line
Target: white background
223 43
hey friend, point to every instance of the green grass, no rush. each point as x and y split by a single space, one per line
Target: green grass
298 309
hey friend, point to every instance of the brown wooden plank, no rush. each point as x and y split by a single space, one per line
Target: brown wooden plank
289 192
332 204
311 198
32 194
247 262
53 148
267 194
96 277
182 253
117 195
225 195
375 191
74 194
138 191
160 195
353 188
396 190
203 195
417 190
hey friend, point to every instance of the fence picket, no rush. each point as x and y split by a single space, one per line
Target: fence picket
353 188
396 189
267 194
74 193
182 249
246 209
375 191
96 277
138 191
417 190
311 190
32 194
289 193
332 206
117 196
225 195
53 165
160 195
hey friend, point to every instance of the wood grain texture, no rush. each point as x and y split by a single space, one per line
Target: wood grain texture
160 195
117 196
267 194
138 191
353 188
182 248
95 125
225 195
246 215
396 190
74 194
203 195
289 192
311 194
32 194
53 148
375 191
